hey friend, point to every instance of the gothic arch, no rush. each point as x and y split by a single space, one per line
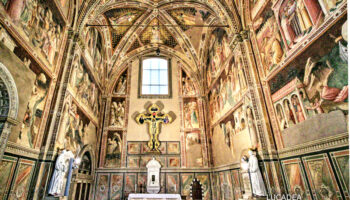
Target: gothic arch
121 66
89 149
81 187
9 116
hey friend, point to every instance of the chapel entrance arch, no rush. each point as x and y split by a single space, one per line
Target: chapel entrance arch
8 106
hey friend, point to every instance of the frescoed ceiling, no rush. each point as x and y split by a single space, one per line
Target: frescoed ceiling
170 24
121 16
157 33
185 17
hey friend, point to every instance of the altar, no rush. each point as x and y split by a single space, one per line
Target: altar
154 197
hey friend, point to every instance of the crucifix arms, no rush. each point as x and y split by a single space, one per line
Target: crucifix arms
153 117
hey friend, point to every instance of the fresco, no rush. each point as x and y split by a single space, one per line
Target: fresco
269 40
121 86
325 81
228 90
7 168
329 6
174 161
134 148
117 115
190 16
157 35
216 186
96 52
65 5
172 183
186 180
146 159
173 147
113 149
145 149
317 87
194 156
217 53
255 6
121 16
116 190
295 178
38 25
191 114
341 161
83 86
236 182
102 187
297 19
187 85
321 177
44 180
226 185
76 130
133 161
23 178
162 182
130 185
35 108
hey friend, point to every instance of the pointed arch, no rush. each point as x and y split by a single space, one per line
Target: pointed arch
120 66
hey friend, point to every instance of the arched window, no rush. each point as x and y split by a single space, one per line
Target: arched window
83 179
85 166
155 78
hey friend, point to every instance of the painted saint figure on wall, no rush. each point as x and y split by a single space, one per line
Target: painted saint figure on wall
121 85
191 115
84 87
113 150
117 114
35 109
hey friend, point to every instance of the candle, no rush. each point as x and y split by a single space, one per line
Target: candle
135 186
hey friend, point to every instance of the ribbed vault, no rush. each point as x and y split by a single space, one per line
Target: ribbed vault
158 24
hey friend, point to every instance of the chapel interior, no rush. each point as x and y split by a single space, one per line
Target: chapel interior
227 99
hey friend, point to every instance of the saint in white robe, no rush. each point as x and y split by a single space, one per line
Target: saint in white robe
257 181
61 167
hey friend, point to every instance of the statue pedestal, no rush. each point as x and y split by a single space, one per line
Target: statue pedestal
153 189
247 186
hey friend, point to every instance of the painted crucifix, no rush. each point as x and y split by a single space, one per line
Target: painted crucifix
154 118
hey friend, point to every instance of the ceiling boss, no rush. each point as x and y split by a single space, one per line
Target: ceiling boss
154 118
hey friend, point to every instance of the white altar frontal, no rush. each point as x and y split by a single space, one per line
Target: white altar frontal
154 197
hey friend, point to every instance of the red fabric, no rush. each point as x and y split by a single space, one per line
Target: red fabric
334 94
314 9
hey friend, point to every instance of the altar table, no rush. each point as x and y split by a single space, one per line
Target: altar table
154 197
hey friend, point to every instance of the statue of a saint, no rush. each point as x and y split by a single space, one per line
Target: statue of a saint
258 186
245 177
58 177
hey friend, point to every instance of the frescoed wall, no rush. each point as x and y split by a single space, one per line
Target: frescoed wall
264 75
35 21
